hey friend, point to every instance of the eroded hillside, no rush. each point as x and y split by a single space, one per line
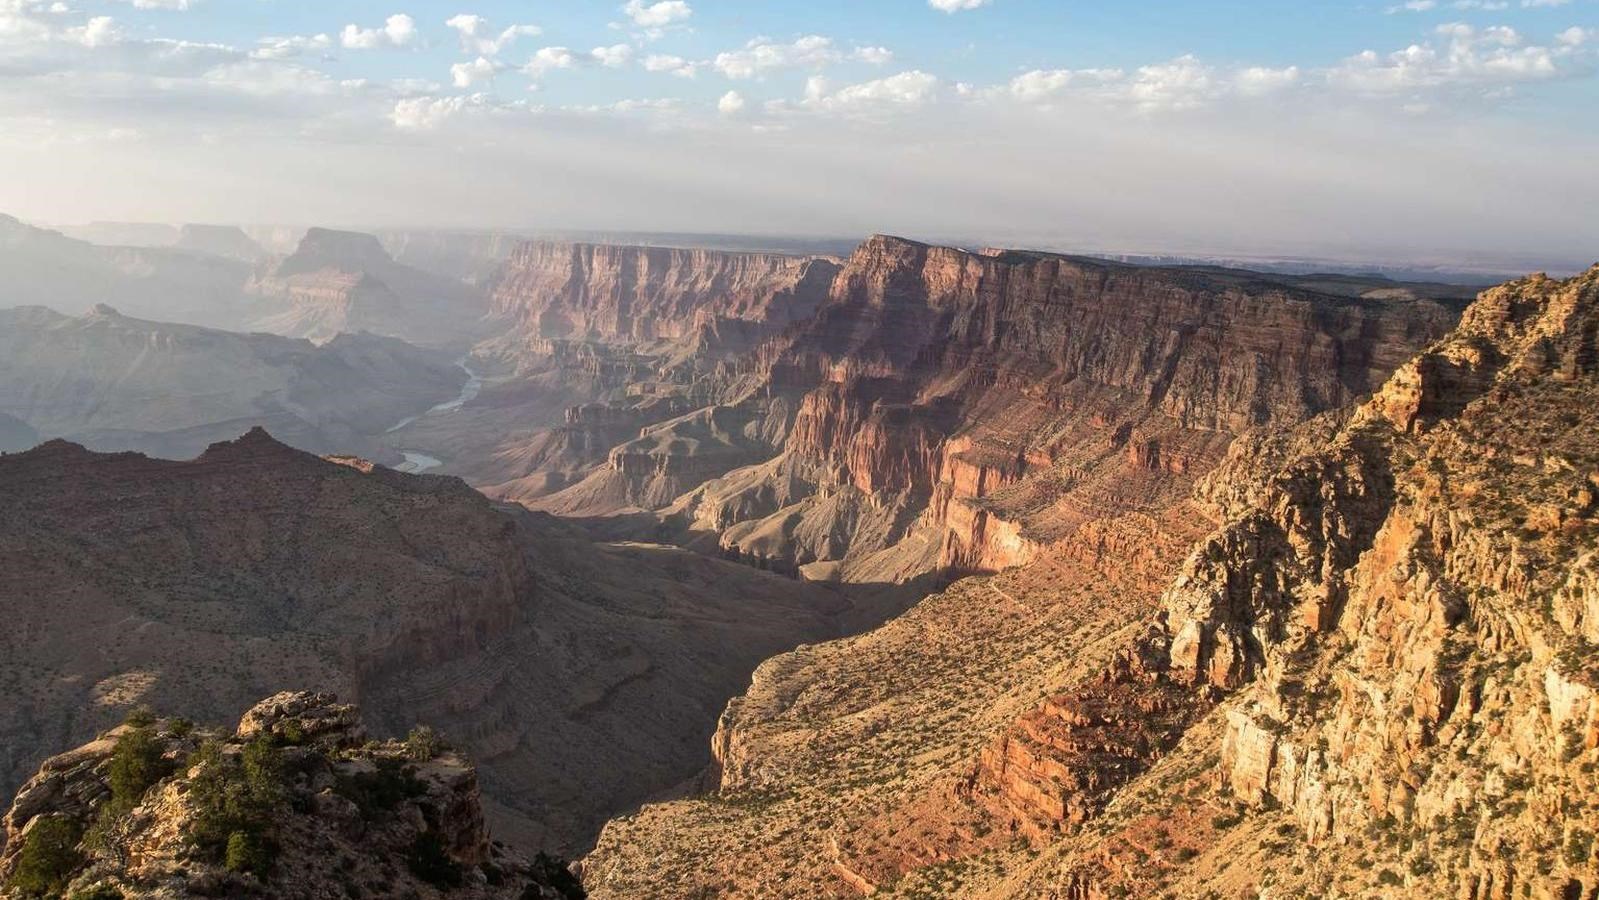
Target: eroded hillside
584 678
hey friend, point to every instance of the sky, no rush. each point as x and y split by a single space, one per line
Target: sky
1446 131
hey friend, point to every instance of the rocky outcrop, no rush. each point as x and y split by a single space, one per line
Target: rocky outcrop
296 802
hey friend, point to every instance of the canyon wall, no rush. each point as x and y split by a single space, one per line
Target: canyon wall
1375 676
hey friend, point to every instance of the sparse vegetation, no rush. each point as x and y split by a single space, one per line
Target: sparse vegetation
49 857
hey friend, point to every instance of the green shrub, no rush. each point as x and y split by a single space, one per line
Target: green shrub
136 764
428 861
234 804
140 717
48 858
423 744
249 852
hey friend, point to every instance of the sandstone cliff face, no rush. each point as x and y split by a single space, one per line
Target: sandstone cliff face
1375 677
616 294
333 813
584 677
1004 393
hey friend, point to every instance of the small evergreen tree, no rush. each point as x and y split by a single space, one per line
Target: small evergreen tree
49 857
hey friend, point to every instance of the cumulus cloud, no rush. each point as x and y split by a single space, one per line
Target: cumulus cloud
1468 57
912 88
99 31
613 57
398 30
477 36
731 104
672 65
877 56
657 15
548 59
467 74
955 6
426 113
760 56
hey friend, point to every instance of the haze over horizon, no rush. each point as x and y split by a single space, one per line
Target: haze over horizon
1422 131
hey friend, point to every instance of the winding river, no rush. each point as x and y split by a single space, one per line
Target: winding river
417 462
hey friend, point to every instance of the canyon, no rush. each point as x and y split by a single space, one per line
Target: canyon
1371 677
1082 579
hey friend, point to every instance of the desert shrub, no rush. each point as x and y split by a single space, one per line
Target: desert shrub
139 717
48 858
249 851
1390 878
234 804
136 764
428 861
423 744
1579 847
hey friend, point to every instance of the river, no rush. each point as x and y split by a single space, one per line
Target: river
417 462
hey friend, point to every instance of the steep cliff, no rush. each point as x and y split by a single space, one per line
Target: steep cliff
295 802
583 677
1375 677
616 294
1011 396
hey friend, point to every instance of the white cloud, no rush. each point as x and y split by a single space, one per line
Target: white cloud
955 6
478 37
877 56
760 56
1574 36
425 113
673 65
549 58
176 5
613 57
467 74
911 88
99 31
731 104
657 15
399 30
1471 57
1414 6
290 47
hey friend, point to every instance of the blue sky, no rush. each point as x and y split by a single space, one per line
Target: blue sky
1431 127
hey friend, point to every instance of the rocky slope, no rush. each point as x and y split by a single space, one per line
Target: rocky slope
1374 678
583 677
344 282
113 382
295 802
